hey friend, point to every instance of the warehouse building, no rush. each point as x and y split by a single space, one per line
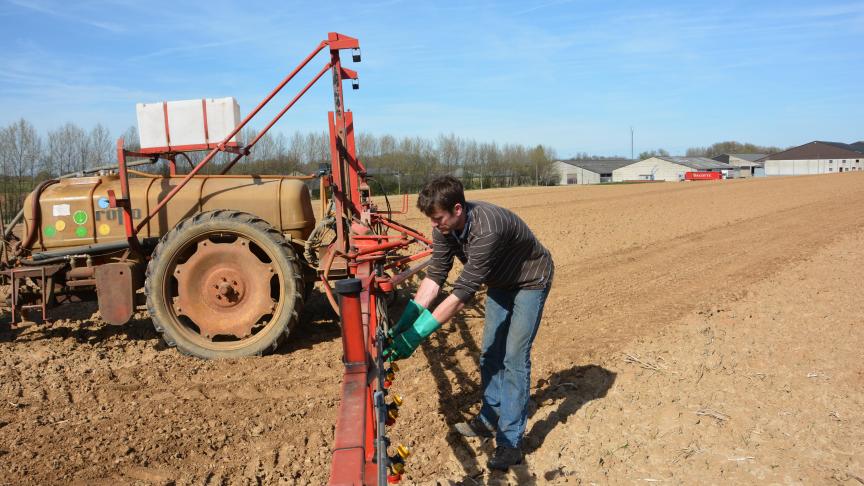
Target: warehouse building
588 171
672 169
747 164
816 157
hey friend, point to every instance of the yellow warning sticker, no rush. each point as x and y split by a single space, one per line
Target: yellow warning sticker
104 229
60 225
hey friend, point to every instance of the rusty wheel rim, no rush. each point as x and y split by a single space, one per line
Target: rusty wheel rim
226 289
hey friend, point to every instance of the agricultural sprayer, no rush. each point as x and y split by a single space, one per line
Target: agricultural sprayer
224 262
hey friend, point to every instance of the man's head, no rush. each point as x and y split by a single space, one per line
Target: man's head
443 201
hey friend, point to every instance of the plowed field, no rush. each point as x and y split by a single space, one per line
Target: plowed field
696 333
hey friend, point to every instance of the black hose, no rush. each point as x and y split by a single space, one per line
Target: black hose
46 261
381 186
40 258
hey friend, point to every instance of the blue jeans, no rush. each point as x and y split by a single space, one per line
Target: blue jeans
512 319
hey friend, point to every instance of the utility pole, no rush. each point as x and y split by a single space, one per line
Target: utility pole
631 142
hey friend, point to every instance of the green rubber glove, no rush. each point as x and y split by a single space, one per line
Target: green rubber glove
404 344
409 315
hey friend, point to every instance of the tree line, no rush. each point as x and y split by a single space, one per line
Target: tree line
719 148
396 164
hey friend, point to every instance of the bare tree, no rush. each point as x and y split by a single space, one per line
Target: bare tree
130 139
102 147
20 152
63 144
449 151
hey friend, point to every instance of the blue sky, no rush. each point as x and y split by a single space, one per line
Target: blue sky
569 74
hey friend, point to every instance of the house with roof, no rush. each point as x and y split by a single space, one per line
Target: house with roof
817 157
668 168
748 164
587 171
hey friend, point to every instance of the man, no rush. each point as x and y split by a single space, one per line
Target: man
497 249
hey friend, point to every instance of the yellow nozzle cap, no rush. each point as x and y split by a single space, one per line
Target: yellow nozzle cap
403 451
397 400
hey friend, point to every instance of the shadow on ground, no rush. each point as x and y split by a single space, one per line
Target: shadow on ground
318 323
559 396
74 321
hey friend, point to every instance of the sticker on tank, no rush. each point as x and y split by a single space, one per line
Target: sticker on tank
80 217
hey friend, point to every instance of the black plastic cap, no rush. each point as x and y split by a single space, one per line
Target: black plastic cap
349 286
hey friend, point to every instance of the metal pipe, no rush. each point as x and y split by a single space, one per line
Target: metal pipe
220 176
353 348
82 173
231 164
13 223
81 272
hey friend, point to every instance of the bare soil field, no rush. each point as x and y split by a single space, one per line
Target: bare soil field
696 333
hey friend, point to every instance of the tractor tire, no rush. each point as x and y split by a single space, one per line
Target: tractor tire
224 284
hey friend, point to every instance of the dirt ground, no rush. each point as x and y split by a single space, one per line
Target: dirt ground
697 333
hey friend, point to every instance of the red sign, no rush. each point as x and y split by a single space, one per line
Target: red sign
702 176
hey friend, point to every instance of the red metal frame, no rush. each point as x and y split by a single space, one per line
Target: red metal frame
360 446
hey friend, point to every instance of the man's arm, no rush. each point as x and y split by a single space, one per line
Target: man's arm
448 308
427 292
441 262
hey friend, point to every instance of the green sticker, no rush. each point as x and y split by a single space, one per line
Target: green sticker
50 231
81 232
80 217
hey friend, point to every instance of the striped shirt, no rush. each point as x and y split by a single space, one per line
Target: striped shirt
496 248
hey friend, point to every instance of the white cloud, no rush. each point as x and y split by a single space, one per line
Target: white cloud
58 10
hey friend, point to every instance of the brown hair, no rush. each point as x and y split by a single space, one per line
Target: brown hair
442 192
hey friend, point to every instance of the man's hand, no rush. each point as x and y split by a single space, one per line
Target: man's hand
409 315
404 344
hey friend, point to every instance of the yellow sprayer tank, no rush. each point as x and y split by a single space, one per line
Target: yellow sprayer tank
76 212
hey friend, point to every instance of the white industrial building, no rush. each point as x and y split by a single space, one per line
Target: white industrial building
748 164
587 171
667 168
816 157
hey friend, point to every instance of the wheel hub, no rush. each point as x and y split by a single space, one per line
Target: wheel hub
224 288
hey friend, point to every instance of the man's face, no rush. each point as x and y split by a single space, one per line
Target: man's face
447 221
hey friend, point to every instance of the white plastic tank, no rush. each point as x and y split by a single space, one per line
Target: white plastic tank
181 124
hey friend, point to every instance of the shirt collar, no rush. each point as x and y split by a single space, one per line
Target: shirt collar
463 235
